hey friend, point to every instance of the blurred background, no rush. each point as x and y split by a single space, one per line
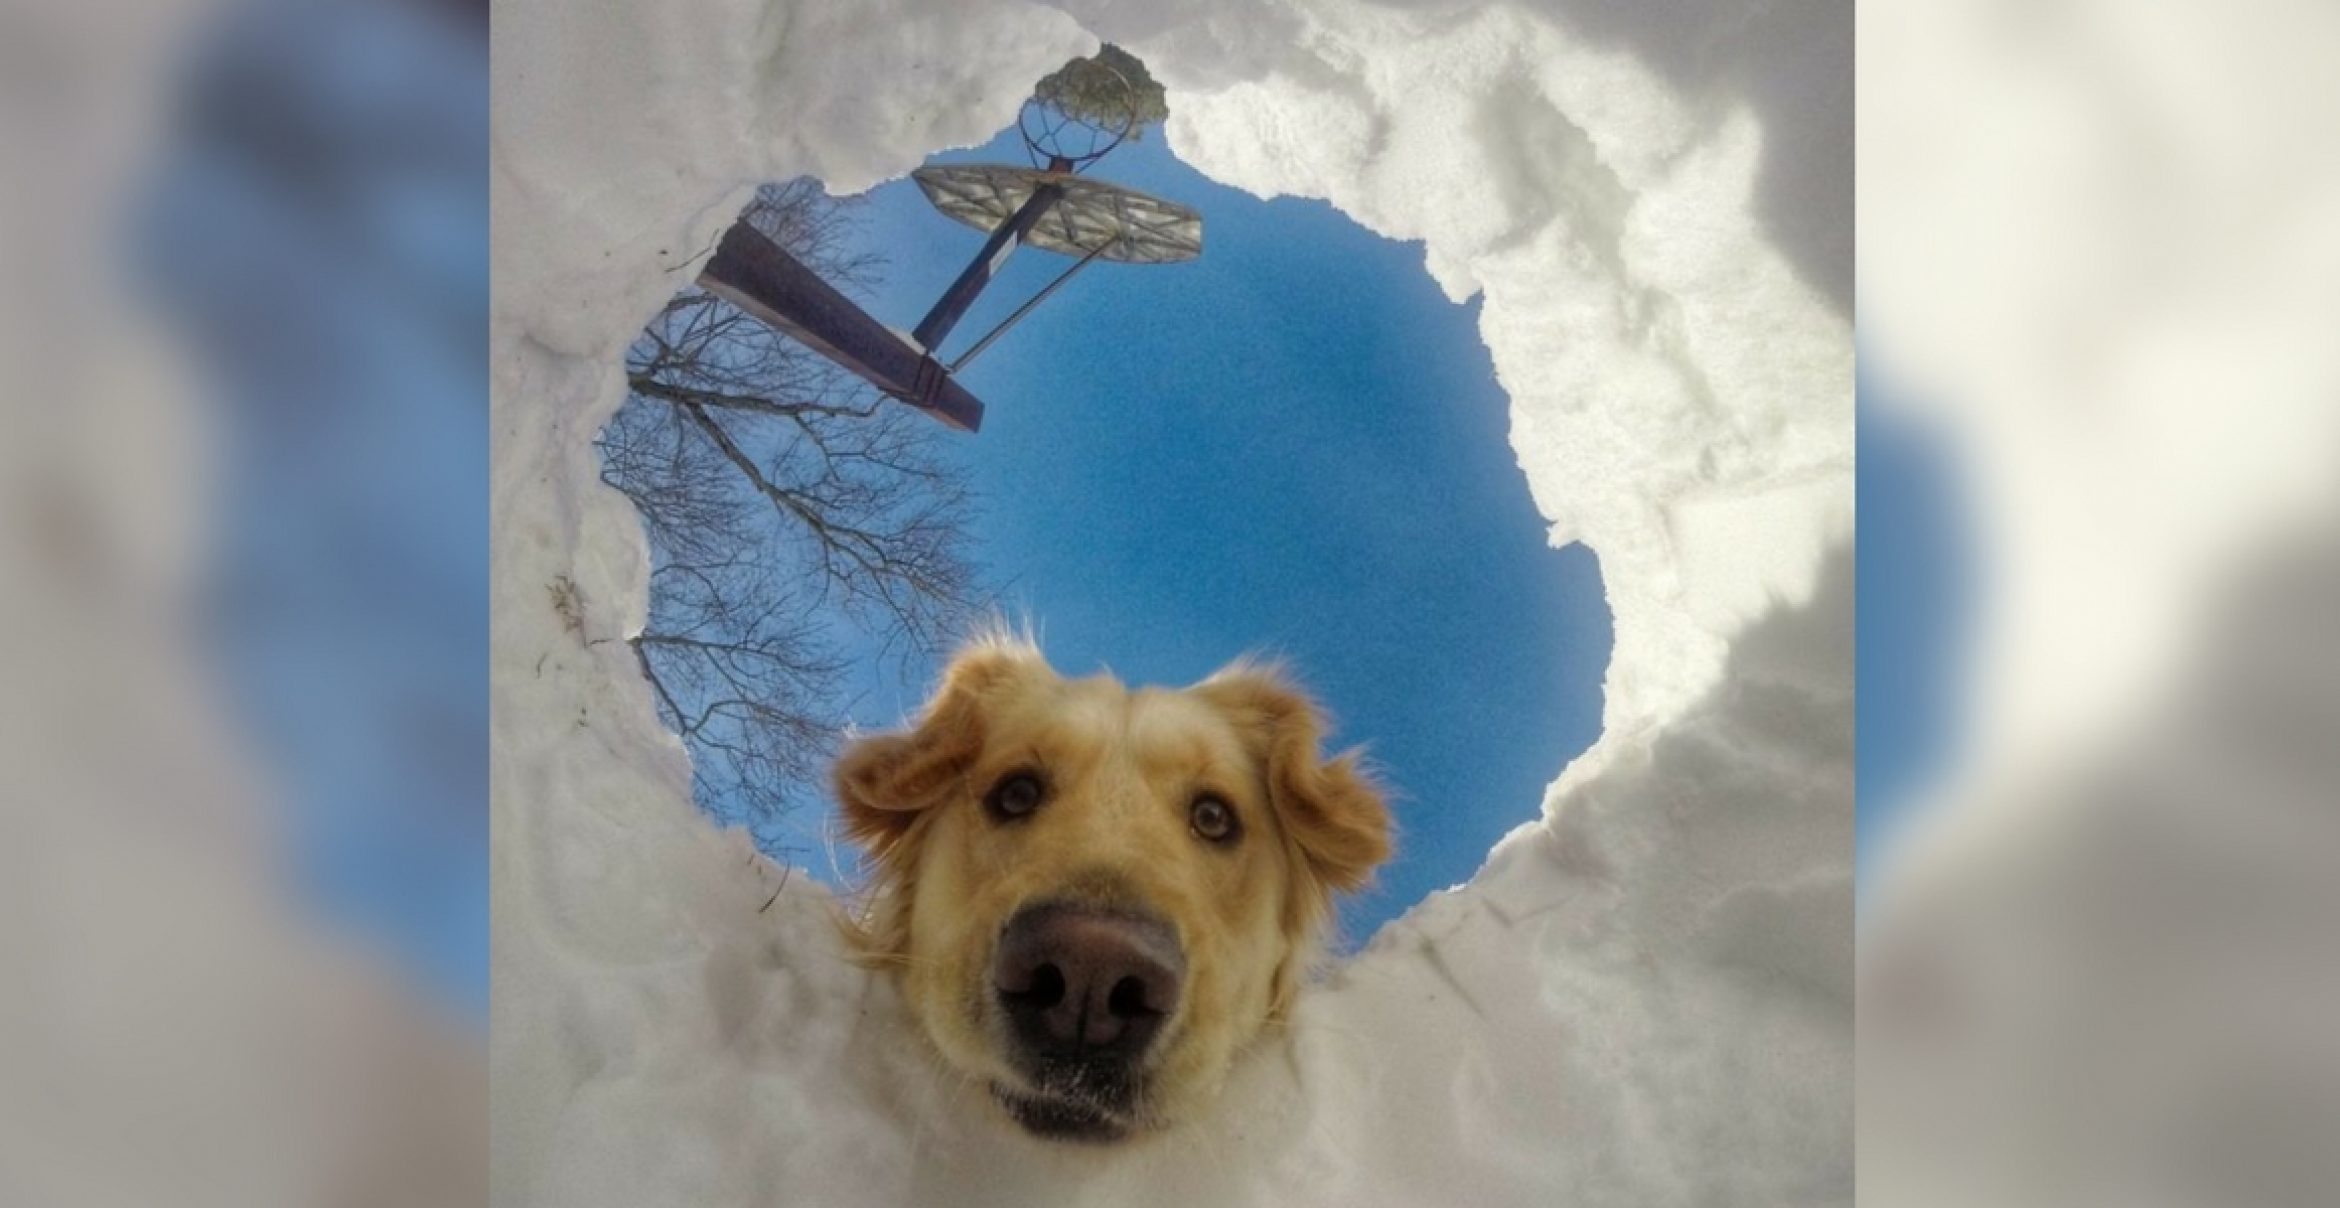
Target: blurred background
243 840
2099 603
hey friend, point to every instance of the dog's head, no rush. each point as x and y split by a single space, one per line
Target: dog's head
1094 896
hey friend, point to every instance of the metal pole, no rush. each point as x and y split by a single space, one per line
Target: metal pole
1026 308
936 326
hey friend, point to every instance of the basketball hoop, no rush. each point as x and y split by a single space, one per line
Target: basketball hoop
1048 205
1092 216
1054 134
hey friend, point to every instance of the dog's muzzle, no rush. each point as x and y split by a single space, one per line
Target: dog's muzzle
1085 991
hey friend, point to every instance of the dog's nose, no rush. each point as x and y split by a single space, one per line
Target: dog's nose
1082 982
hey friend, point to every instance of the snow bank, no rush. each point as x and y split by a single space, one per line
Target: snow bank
1643 998
2101 249
2103 253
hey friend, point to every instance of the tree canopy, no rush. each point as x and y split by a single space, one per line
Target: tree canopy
1105 90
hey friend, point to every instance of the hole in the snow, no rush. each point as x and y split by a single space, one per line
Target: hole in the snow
1293 445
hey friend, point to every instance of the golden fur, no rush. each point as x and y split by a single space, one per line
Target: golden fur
1124 767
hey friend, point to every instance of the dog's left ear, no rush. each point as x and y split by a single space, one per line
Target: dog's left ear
884 781
1329 807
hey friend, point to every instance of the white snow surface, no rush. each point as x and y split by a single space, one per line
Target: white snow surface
1643 997
2101 251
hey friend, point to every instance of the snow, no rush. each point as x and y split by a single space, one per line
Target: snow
2101 251
1643 997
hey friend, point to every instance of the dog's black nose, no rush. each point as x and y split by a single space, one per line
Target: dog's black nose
1083 983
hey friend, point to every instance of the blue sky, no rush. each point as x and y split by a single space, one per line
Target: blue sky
1293 445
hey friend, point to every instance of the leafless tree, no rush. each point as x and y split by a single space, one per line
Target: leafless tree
792 513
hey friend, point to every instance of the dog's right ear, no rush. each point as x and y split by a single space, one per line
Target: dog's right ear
885 780
1329 807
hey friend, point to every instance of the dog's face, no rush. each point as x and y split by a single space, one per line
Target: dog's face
1096 897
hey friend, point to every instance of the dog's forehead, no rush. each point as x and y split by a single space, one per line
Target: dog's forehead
1177 728
1163 729
1093 708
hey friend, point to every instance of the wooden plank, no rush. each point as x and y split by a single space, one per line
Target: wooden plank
758 276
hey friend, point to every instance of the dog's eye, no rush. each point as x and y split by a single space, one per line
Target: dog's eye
1016 794
1212 818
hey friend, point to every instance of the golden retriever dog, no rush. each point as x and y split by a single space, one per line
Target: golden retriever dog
1095 897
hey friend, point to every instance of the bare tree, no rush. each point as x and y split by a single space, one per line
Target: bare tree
792 512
